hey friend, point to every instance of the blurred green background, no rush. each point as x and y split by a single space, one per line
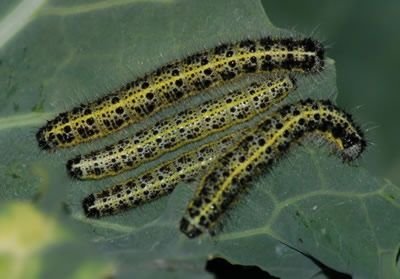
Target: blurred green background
364 41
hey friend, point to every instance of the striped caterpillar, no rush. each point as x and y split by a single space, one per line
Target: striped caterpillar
156 182
262 148
180 79
185 127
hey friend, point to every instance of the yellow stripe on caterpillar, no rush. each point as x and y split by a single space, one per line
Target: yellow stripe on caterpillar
156 182
264 146
173 82
185 127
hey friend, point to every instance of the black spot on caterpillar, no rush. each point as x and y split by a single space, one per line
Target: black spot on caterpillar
156 182
185 127
180 79
269 141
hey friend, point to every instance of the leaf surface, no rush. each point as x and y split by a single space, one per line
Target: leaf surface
310 204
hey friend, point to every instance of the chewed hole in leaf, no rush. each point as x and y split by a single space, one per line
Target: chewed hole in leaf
326 271
221 269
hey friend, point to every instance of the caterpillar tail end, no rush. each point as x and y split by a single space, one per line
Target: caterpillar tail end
87 205
189 229
42 141
355 150
317 64
356 144
73 171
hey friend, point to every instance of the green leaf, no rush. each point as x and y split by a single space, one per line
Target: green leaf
310 204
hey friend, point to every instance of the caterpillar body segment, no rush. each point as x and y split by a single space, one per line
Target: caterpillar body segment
185 127
156 182
176 81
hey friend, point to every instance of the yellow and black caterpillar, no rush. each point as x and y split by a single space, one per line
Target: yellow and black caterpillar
262 148
156 182
185 127
144 96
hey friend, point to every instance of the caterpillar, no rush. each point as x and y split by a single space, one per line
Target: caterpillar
177 80
269 141
185 127
156 182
